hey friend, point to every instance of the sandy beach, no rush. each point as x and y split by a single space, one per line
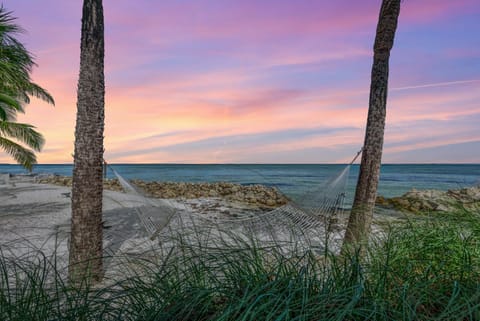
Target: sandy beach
36 216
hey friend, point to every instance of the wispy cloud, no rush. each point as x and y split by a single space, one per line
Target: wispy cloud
438 84
266 81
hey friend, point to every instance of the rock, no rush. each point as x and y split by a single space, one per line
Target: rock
258 195
270 202
418 201
382 201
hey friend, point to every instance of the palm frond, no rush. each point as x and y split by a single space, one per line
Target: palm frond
16 64
11 103
8 26
12 73
17 56
8 113
20 154
24 133
16 88
40 93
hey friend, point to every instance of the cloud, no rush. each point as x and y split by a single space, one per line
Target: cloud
438 84
445 153
191 81
233 147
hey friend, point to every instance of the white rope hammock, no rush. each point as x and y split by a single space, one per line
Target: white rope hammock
307 220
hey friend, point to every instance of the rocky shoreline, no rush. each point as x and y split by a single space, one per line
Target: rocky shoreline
258 195
264 197
424 201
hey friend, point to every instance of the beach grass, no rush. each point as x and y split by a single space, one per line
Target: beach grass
424 269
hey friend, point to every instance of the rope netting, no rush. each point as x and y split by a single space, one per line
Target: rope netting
310 220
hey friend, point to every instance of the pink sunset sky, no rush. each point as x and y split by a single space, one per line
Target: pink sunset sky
260 81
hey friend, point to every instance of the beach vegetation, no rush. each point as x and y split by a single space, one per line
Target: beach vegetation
425 268
19 140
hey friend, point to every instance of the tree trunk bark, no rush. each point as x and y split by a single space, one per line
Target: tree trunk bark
86 239
360 220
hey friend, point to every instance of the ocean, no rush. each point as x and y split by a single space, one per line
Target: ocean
292 179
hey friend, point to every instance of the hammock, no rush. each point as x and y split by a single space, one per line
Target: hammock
308 220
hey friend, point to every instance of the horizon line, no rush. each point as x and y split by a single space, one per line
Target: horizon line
356 163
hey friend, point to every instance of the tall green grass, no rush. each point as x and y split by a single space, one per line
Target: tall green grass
426 269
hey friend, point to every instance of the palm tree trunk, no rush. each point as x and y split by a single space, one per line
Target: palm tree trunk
86 234
360 220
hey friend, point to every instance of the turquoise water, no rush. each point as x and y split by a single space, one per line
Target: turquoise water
292 179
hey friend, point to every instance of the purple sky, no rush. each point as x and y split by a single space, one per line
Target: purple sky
260 81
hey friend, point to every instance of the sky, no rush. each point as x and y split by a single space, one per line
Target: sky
250 81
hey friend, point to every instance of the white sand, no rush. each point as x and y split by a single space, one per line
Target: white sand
37 217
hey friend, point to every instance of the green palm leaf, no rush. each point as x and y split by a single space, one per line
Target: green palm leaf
7 25
24 133
40 93
20 154
16 64
12 102
8 106
16 88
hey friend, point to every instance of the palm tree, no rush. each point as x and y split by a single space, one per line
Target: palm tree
360 220
87 188
16 87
